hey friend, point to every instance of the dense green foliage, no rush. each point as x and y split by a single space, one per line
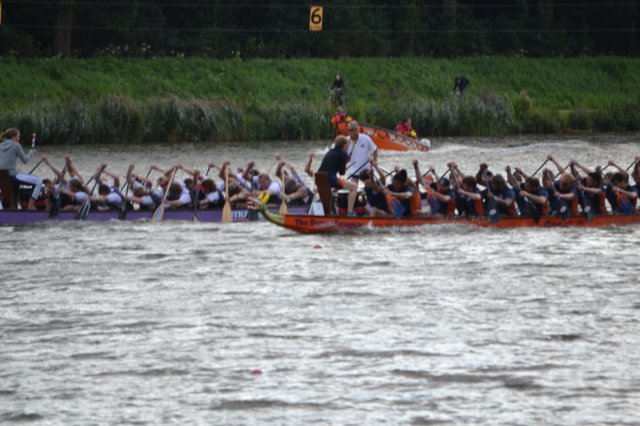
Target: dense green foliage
353 28
139 100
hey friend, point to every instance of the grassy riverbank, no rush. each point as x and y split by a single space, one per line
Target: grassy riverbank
172 99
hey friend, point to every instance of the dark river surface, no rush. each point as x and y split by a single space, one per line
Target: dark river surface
247 323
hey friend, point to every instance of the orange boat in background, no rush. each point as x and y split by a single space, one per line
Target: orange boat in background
388 139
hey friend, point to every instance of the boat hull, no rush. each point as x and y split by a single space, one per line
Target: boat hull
25 217
389 140
338 224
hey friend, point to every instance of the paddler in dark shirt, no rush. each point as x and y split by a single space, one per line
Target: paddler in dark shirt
334 163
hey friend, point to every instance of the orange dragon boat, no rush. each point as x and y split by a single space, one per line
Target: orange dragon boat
307 224
388 139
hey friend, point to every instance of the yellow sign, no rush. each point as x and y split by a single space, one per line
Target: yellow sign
315 18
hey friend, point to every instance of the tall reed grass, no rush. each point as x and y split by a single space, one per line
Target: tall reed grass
121 120
201 100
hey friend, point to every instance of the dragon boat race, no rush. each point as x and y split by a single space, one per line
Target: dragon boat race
416 212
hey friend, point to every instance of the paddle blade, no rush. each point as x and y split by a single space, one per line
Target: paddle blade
226 213
83 212
158 215
283 208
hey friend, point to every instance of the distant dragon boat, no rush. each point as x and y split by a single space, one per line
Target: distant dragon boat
388 139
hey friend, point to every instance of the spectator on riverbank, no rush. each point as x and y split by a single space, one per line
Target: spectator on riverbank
337 89
460 85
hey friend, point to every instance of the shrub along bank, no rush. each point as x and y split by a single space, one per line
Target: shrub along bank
105 100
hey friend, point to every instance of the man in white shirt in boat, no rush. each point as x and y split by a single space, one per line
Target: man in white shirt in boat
360 148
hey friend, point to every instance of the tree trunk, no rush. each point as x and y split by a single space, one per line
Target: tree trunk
64 22
450 9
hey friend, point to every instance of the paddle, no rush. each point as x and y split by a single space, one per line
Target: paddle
492 204
355 174
158 215
55 205
283 204
83 212
122 215
540 168
226 210
630 166
36 166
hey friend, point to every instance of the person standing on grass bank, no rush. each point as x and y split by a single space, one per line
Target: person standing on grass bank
337 89
460 85
360 148
10 151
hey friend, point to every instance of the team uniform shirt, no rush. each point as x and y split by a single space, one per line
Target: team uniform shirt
80 197
359 153
215 198
435 205
466 205
406 204
275 190
619 203
376 199
301 182
506 193
530 208
556 203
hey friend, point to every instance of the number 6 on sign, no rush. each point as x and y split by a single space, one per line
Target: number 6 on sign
315 18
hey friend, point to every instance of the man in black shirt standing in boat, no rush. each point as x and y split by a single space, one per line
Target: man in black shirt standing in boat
334 163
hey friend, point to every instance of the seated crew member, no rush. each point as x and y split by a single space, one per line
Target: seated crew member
620 195
75 195
334 163
469 202
213 197
534 198
405 128
145 198
498 195
178 196
402 191
375 192
108 198
593 195
295 188
442 198
563 197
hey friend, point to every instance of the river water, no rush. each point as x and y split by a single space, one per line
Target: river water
247 323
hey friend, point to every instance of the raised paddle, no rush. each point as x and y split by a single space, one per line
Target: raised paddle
283 205
158 215
540 168
226 209
630 166
36 166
